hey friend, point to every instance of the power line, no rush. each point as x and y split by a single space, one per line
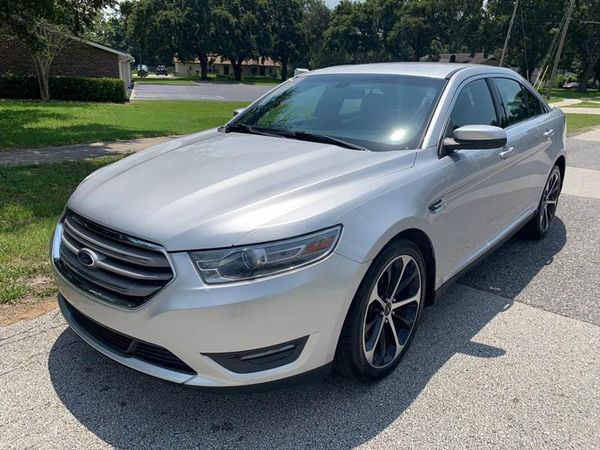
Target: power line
560 46
510 27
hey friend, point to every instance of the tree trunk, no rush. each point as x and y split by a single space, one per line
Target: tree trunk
237 68
54 40
284 69
587 74
203 57
42 73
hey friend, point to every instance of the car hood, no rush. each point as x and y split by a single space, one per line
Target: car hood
213 190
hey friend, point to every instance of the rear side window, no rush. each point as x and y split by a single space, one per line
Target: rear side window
473 106
519 104
534 106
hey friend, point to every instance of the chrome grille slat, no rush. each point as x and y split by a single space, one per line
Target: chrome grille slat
126 270
91 239
120 269
108 281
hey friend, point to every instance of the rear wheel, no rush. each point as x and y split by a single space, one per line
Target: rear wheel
384 314
540 224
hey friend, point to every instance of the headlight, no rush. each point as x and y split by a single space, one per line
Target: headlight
261 260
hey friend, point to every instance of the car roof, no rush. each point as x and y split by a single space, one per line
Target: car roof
430 70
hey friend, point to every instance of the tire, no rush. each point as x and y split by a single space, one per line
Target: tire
368 348
539 225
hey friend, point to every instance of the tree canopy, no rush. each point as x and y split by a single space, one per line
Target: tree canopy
306 33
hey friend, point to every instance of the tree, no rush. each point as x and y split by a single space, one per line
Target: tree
241 31
111 28
361 32
584 34
535 25
315 21
287 40
418 25
149 28
194 32
44 26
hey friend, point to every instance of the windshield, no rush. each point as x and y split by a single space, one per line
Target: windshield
378 112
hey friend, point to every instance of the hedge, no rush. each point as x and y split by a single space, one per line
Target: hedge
64 88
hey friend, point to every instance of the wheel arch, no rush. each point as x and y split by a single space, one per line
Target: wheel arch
422 240
561 162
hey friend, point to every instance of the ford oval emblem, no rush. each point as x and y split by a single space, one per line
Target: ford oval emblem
87 257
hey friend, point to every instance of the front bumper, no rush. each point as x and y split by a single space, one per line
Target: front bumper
192 320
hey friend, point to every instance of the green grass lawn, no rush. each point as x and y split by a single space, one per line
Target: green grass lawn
588 104
220 79
30 124
164 80
245 80
561 94
578 123
31 200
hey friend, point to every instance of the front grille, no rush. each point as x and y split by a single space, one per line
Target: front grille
125 271
128 346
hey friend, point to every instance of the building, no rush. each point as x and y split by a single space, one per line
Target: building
222 66
462 58
78 58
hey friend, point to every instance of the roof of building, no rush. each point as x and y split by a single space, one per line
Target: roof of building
103 47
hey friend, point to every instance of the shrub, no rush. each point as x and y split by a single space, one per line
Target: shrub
64 88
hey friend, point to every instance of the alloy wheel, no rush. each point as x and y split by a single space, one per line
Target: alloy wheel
549 200
392 311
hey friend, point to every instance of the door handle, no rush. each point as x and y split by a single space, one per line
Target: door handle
549 133
507 153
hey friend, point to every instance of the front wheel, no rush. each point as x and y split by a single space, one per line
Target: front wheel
384 314
540 224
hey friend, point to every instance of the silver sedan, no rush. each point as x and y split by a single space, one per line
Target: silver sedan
310 231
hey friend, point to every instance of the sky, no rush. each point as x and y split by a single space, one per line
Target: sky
331 3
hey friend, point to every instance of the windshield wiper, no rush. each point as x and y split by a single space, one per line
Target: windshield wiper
243 128
315 137
301 135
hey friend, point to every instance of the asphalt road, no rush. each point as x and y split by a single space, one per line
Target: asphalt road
509 358
201 91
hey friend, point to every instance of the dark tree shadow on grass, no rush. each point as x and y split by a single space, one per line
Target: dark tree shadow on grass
31 194
20 127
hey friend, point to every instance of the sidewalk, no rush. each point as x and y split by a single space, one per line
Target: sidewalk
575 110
77 152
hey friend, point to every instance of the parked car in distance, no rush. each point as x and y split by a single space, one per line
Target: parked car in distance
161 70
142 70
571 85
312 228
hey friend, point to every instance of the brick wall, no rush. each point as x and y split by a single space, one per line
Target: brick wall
76 58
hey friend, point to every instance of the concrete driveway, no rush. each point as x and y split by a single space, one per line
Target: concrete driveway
509 358
201 91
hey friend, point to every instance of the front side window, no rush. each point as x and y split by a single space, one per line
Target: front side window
514 100
379 112
473 106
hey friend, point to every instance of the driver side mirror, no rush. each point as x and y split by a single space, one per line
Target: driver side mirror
475 137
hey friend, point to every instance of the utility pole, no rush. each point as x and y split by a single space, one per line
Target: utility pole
510 27
560 46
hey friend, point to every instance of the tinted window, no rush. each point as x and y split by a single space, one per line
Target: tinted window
380 112
514 100
474 106
534 106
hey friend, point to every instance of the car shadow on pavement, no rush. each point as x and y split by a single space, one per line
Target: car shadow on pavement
129 410
512 267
